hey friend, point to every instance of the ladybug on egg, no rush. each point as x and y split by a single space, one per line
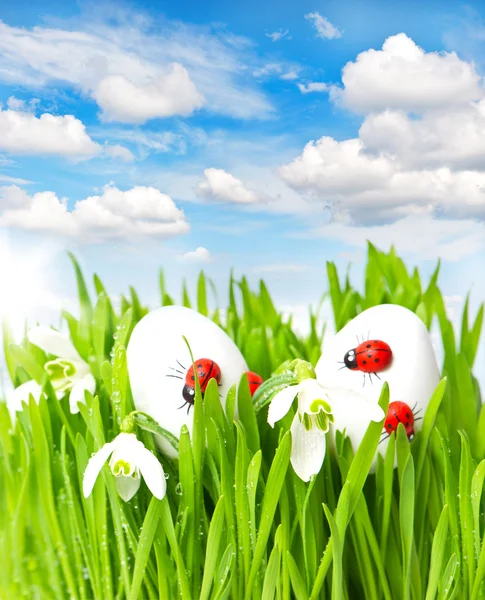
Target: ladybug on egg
206 369
254 381
400 412
369 357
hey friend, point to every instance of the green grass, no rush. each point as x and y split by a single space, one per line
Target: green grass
236 521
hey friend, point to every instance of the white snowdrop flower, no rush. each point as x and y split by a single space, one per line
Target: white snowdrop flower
66 372
310 424
129 461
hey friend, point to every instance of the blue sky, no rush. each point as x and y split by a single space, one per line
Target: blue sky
257 136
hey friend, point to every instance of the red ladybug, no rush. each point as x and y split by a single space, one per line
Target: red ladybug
254 381
369 357
399 412
206 370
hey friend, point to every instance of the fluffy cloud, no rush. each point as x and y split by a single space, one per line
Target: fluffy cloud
24 133
313 86
325 29
454 138
420 151
114 215
403 76
324 167
138 73
363 188
172 93
222 186
199 255
116 151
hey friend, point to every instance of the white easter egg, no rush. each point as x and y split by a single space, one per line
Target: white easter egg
412 375
158 360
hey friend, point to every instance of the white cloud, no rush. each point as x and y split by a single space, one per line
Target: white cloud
421 237
222 186
403 76
115 215
290 75
313 86
14 103
24 133
16 180
156 141
268 69
128 69
172 93
366 188
277 35
325 165
429 164
325 29
116 151
454 137
199 255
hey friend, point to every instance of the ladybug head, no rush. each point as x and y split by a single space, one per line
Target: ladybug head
350 359
188 394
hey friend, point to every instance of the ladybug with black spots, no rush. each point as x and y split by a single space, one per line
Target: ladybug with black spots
400 412
371 356
254 381
206 370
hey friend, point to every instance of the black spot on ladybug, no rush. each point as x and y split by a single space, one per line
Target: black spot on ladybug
389 426
364 362
199 366
368 345
406 423
377 360
369 355
193 378
408 416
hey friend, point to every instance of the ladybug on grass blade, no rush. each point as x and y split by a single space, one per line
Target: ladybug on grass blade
206 370
400 412
254 381
369 357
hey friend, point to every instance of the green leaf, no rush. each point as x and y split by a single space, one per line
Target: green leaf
406 514
213 544
274 484
297 582
337 580
202 295
437 554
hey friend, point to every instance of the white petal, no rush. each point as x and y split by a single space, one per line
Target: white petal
281 403
307 449
94 466
127 486
77 393
22 393
310 390
152 471
53 342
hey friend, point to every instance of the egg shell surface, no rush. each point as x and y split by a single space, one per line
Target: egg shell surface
157 349
412 375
